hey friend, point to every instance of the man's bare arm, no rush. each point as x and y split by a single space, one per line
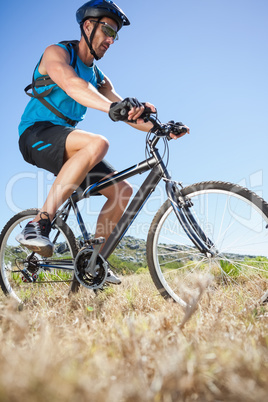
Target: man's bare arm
55 63
109 92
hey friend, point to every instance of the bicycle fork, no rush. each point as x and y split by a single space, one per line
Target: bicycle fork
181 207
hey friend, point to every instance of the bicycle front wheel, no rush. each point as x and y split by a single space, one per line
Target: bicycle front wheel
24 274
234 219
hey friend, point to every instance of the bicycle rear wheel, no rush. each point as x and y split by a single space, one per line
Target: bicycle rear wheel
234 218
24 274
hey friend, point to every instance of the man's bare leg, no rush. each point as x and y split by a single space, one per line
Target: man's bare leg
117 199
83 152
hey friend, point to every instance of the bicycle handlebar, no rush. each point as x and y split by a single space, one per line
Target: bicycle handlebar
163 130
159 129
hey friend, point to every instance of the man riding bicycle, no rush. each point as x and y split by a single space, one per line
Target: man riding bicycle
66 82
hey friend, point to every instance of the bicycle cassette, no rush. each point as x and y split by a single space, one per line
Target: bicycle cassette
90 278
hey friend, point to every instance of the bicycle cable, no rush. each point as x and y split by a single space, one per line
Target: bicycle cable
148 147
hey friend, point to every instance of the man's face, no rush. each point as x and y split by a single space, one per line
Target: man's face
102 42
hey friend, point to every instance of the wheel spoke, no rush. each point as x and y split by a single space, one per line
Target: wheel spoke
16 259
234 219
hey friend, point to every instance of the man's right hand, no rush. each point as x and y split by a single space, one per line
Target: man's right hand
130 110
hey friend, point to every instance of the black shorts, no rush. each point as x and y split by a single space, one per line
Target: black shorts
43 145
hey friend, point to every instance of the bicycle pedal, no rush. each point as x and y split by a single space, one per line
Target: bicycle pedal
26 277
35 277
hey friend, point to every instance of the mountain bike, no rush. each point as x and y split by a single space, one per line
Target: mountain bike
209 227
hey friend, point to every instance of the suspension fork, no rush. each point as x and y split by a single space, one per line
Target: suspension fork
181 207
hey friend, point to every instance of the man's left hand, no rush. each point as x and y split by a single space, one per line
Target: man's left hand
176 136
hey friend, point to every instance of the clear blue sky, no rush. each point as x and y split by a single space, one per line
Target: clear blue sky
203 62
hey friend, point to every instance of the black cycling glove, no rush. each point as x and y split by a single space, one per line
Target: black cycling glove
119 110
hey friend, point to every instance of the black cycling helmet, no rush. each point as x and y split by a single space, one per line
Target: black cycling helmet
99 9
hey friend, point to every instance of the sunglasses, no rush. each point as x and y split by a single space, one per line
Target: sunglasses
107 30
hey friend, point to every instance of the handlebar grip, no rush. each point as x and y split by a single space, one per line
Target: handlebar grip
181 130
146 113
176 129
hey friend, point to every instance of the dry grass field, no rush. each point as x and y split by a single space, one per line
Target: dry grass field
129 344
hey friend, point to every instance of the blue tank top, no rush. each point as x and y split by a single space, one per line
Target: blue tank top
35 111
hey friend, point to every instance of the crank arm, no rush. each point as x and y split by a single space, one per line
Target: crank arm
90 269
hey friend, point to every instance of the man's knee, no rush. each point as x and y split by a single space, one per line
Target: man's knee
86 142
123 194
127 189
96 149
120 192
99 145
103 143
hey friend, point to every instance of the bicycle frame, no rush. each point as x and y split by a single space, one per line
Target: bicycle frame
177 244
158 171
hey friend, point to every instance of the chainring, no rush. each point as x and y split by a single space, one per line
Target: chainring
86 279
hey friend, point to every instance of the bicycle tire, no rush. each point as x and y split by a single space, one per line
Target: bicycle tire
234 218
13 259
